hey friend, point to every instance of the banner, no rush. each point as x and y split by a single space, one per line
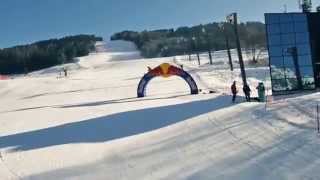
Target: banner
166 70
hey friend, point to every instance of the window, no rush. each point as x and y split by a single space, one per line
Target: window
276 61
286 18
306 72
308 83
303 49
274 40
275 51
279 85
287 28
288 39
273 29
286 31
301 27
272 18
288 61
302 38
305 60
299 17
292 84
277 73
287 50
290 72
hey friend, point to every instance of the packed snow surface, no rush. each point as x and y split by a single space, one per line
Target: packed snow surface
90 125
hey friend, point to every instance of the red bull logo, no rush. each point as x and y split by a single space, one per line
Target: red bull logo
166 70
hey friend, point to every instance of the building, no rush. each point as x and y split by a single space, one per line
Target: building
294 51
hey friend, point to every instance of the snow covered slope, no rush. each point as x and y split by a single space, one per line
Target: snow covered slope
91 125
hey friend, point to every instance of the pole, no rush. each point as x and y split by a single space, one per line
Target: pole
318 120
267 89
223 29
208 45
243 72
25 68
229 52
210 57
197 50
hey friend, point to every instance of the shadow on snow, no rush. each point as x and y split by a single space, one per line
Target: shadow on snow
112 127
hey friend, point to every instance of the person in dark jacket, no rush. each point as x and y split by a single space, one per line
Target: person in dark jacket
247 92
65 70
234 91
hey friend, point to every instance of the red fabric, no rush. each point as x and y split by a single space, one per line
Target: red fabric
171 71
2 77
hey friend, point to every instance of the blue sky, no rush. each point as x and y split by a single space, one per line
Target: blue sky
26 21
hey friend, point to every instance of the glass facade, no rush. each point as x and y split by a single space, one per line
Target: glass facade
285 32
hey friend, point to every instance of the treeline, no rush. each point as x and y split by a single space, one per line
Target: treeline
43 54
187 40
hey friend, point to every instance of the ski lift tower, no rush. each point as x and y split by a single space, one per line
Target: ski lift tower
233 20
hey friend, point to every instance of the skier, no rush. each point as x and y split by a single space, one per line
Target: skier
247 91
234 91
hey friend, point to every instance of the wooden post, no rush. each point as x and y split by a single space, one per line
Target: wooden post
25 68
198 56
210 57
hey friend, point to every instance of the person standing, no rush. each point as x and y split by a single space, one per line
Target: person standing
234 91
65 70
247 92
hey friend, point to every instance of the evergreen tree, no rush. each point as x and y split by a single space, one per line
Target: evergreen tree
169 42
43 54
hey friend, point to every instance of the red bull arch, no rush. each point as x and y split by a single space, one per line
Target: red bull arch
166 70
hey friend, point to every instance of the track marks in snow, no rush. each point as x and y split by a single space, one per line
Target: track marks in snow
295 113
3 162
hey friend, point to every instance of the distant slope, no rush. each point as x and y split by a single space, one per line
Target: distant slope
116 46
44 54
104 52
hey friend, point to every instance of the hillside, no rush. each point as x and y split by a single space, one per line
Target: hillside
44 54
91 125
200 38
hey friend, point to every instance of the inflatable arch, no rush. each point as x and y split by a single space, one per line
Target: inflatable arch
166 70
